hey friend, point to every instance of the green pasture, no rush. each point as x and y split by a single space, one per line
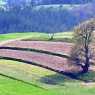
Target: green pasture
55 85
17 78
64 36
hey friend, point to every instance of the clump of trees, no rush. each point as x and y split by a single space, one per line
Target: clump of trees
83 50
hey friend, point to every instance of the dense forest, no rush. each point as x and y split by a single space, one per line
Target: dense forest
44 19
45 2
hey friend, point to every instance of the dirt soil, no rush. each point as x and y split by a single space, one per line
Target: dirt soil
54 62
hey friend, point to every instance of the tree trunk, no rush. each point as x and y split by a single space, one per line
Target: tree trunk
86 64
85 67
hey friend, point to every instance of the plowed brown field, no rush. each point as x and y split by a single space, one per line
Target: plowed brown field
51 61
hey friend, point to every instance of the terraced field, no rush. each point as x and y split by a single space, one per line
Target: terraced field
55 62
29 68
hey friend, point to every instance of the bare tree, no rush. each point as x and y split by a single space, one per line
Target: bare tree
82 52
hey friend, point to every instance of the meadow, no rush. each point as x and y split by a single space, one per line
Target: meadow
18 78
36 36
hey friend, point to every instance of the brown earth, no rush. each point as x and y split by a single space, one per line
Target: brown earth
61 47
57 63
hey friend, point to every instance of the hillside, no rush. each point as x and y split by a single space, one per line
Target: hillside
27 77
45 18
43 2
48 16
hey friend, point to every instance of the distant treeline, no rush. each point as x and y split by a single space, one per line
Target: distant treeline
65 1
31 19
45 2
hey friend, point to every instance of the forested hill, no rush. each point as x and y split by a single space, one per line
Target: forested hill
62 1
44 18
23 3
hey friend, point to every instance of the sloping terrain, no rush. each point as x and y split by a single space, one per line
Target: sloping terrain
17 78
48 60
58 47
43 82
44 17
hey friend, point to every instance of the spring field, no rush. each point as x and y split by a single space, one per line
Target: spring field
19 78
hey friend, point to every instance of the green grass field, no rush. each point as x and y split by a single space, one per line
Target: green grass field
64 86
17 78
36 36
10 36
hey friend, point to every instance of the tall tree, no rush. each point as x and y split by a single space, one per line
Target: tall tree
82 52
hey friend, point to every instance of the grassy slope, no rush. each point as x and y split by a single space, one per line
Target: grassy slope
13 87
16 69
19 70
35 36
9 36
64 86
